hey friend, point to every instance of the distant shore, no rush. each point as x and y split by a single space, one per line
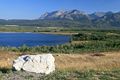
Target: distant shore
55 33
16 32
60 33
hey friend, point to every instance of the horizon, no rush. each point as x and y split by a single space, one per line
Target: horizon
33 9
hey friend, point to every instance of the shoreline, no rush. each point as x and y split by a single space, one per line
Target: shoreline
55 33
16 32
59 33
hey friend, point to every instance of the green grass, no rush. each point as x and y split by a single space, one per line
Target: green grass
64 75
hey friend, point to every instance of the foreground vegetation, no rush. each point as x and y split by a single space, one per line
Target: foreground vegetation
104 66
63 75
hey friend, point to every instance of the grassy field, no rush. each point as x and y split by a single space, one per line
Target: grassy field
90 55
94 61
68 67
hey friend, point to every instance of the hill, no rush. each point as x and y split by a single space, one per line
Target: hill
71 18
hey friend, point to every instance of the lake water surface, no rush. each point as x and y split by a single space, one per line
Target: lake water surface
31 39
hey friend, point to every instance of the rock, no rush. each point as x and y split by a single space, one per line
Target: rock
35 63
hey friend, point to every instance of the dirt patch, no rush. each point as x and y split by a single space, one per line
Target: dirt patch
98 54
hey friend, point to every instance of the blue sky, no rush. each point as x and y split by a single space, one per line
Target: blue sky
31 9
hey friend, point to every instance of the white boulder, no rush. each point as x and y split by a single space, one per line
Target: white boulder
35 63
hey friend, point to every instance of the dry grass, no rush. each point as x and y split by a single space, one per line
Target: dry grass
105 61
6 59
60 33
112 34
79 42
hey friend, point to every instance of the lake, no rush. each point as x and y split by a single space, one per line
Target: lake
31 39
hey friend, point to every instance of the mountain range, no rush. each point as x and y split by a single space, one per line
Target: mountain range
70 18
